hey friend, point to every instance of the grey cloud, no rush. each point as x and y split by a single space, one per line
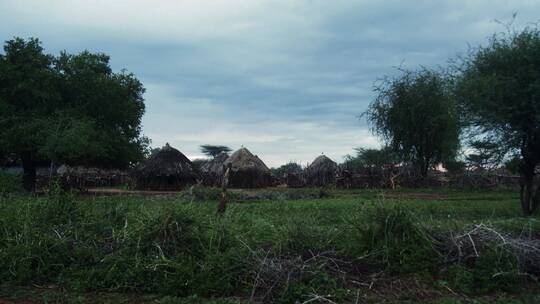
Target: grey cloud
287 79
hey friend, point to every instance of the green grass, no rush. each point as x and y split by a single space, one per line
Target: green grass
176 250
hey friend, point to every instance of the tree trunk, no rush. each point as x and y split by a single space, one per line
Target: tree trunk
29 172
529 196
424 167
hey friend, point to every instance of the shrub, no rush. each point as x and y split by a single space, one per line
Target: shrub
495 269
10 183
392 235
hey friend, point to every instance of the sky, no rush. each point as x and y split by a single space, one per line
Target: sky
286 79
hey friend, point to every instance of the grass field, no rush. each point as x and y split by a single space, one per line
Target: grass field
274 246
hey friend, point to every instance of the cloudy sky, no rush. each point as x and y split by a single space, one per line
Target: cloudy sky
287 79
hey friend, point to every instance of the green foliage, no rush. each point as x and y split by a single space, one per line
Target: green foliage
394 236
512 165
10 183
455 166
213 150
165 246
486 155
69 108
370 158
318 281
494 270
289 168
416 116
498 90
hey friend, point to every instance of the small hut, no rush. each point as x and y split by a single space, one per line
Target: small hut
247 170
321 172
166 170
212 170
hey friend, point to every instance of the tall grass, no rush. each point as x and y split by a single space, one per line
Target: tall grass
175 247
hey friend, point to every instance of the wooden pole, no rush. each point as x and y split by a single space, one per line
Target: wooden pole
224 183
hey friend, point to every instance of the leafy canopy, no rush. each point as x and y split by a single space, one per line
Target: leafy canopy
499 91
213 150
68 108
288 168
370 158
415 115
485 156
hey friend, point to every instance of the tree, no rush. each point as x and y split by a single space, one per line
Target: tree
371 158
486 155
415 115
499 89
213 151
289 168
512 164
70 108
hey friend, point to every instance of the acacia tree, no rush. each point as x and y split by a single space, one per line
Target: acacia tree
485 155
499 89
414 113
371 158
70 108
213 150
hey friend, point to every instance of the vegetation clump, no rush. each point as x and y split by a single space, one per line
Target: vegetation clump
278 250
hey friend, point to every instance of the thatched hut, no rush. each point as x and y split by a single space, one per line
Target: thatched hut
212 170
166 170
247 170
321 172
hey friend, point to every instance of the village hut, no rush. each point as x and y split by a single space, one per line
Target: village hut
166 170
247 170
321 172
212 170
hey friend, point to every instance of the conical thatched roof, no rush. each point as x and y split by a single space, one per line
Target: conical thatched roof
321 172
248 170
212 170
167 169
244 159
322 161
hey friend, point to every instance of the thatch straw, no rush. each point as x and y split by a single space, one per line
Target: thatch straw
212 170
321 172
168 169
248 170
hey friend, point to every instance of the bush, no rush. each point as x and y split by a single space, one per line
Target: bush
10 183
393 236
197 193
495 269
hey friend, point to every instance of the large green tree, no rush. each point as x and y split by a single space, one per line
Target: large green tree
415 115
499 88
69 108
